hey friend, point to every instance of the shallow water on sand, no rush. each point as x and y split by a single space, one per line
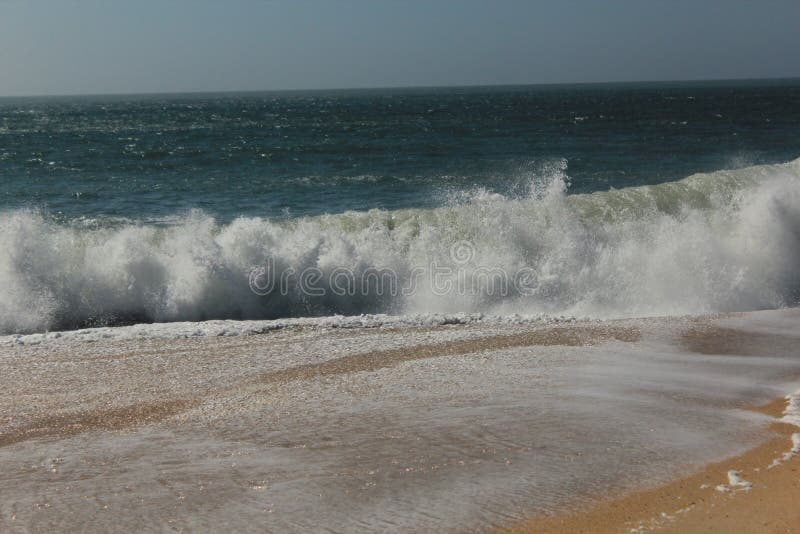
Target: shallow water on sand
447 427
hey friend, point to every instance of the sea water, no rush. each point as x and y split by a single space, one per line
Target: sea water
587 200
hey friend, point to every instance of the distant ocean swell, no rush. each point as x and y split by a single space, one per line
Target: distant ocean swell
723 241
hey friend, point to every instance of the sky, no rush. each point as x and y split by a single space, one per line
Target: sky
114 46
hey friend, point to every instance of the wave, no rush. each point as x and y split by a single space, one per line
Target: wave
715 242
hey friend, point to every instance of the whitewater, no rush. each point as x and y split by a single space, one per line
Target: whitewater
723 241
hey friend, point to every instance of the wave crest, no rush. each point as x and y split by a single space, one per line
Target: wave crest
723 241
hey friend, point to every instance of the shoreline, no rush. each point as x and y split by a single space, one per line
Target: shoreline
749 492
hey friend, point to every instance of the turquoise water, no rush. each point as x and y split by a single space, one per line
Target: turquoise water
600 200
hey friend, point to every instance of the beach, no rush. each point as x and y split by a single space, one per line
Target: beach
459 424
764 501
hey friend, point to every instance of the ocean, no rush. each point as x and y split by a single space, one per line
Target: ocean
599 201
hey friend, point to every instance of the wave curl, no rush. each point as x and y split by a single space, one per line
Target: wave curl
715 242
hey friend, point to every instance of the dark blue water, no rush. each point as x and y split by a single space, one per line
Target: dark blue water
288 154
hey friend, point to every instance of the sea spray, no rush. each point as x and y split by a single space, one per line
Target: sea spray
722 241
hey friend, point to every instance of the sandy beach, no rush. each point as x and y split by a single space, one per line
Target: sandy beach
704 501
556 426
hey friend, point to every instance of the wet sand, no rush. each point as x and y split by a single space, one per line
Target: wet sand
704 501
70 423
458 427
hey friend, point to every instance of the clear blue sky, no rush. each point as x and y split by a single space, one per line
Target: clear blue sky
113 46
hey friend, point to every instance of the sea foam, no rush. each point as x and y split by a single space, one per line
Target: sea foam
722 241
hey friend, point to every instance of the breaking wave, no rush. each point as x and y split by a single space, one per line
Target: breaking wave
716 242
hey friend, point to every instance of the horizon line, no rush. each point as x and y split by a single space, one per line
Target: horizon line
400 87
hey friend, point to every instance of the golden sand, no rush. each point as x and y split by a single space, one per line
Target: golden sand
693 504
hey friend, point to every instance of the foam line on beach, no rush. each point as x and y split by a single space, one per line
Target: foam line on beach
229 328
790 416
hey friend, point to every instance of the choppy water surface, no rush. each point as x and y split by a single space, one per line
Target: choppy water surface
606 201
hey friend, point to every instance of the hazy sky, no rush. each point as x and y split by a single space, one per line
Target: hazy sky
112 46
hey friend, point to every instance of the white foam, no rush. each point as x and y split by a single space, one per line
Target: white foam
724 241
178 330
788 455
735 483
791 415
